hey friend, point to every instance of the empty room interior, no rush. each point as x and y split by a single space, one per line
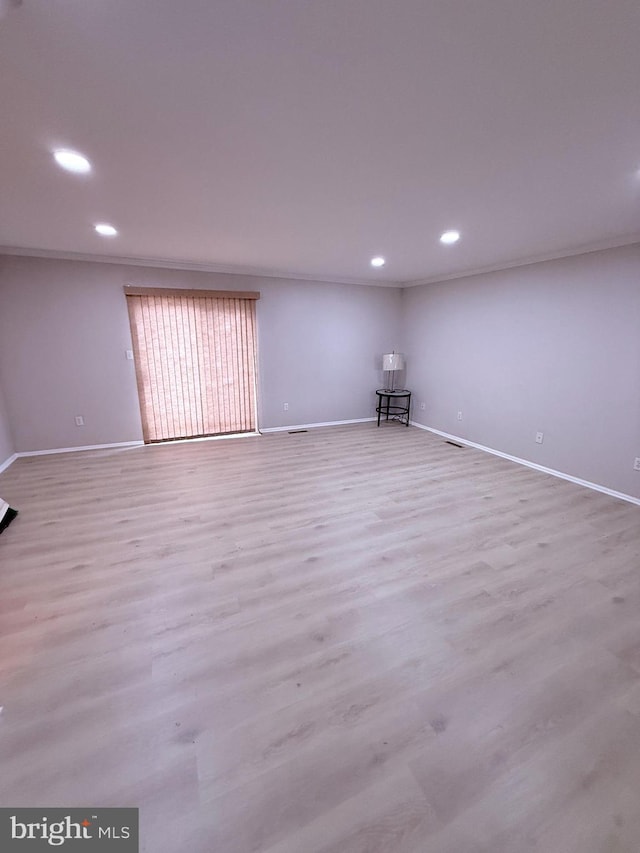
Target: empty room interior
320 425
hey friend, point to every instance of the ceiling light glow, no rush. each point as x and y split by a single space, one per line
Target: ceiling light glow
106 230
72 161
450 237
377 262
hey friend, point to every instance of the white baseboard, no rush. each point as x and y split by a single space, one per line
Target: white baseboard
588 485
116 445
4 465
534 465
312 426
78 449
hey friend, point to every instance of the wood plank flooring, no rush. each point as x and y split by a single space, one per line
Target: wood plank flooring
351 640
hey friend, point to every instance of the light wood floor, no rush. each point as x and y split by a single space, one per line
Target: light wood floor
349 640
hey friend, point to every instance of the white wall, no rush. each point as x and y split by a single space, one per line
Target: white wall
321 349
6 439
64 330
551 347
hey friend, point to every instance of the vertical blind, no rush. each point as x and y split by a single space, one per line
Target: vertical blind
195 356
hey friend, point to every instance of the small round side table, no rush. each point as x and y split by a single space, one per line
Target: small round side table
394 403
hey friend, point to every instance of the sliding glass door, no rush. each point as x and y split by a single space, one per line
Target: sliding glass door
195 356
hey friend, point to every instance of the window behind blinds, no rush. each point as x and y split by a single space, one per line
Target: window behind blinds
195 356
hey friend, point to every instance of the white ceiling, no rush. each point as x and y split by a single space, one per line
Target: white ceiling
306 136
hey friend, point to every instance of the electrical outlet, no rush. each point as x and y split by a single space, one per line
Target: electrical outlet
459 416
79 420
636 464
539 437
423 406
129 354
285 406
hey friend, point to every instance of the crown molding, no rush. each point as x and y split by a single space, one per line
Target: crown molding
287 275
615 243
192 266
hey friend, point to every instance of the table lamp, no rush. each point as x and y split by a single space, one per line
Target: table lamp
391 362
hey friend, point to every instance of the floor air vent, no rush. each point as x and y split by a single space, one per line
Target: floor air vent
454 443
294 431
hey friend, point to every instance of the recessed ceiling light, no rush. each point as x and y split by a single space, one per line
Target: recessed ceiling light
377 262
72 161
450 237
106 230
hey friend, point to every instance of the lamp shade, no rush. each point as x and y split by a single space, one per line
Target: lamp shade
392 361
